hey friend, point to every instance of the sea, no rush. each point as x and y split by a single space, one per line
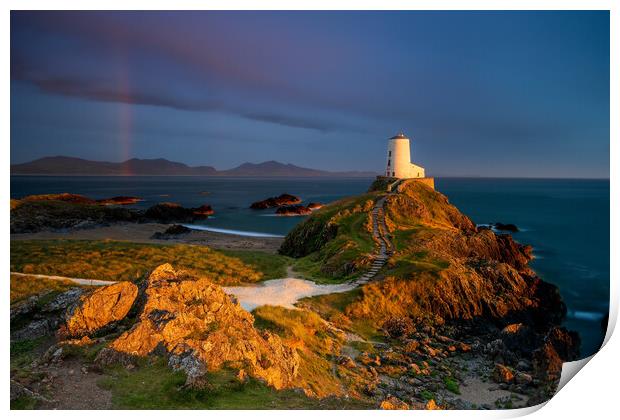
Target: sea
565 220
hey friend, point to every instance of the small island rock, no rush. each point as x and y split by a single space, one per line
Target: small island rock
271 202
297 210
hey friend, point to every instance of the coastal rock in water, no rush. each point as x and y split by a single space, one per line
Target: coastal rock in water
315 206
193 320
65 197
297 210
120 200
204 210
99 309
281 200
508 227
65 213
173 231
170 213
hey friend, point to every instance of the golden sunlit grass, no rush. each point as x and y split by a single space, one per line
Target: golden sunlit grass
23 287
315 344
118 261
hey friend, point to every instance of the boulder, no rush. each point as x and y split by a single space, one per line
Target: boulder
172 232
502 374
100 308
201 329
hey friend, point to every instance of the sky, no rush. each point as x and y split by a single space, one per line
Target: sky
506 94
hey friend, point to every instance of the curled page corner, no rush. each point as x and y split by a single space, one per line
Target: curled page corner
570 369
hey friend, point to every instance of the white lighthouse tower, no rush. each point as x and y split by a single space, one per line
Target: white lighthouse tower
399 159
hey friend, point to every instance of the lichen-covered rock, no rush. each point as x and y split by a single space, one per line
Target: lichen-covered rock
199 326
502 374
100 308
393 403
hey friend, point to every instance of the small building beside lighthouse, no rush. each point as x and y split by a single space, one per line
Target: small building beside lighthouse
399 159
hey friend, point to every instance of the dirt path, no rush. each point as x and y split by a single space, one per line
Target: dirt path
75 387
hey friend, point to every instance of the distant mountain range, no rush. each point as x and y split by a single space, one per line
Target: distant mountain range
63 165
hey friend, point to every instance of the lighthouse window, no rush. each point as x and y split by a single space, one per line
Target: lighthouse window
388 162
389 153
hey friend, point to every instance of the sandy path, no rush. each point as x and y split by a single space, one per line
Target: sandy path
84 282
142 232
282 292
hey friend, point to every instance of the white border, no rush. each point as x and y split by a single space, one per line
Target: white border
593 395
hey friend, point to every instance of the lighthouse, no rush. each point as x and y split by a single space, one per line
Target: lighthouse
399 159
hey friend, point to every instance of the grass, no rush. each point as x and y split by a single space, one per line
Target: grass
343 257
427 395
333 246
451 385
24 287
333 307
315 344
115 260
273 266
23 352
154 386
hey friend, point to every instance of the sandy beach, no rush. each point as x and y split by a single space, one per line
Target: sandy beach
142 232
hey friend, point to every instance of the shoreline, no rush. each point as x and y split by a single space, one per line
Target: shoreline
142 232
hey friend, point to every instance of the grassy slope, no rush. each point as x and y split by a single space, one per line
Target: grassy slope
335 242
417 213
110 260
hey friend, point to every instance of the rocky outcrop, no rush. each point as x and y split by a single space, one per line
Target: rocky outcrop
447 274
271 202
560 345
37 215
71 211
201 329
37 318
315 206
297 210
100 308
120 200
